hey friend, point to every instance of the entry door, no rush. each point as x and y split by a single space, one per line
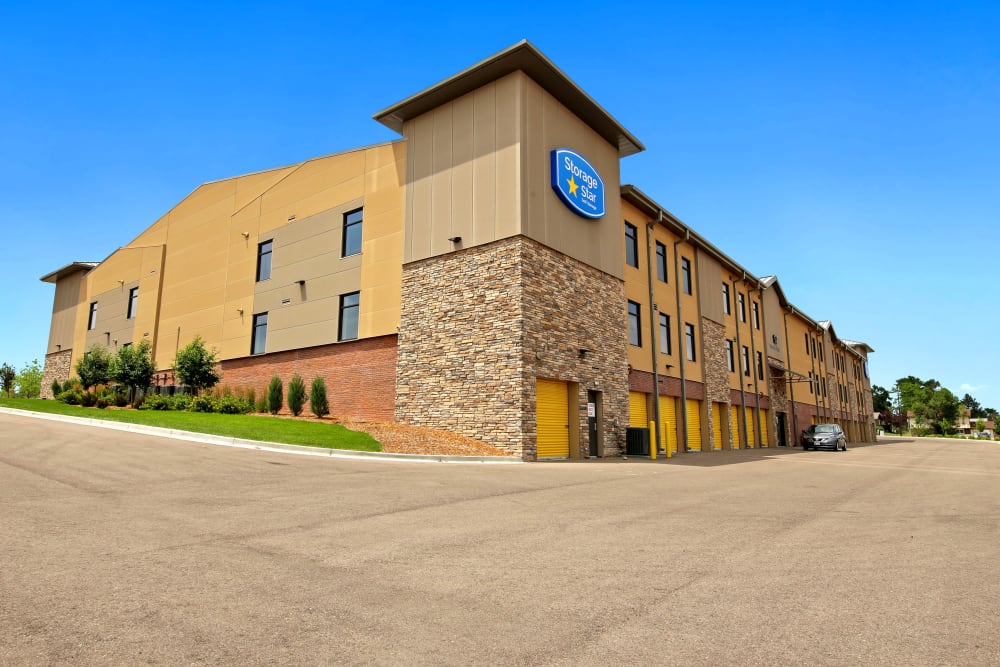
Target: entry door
593 409
782 436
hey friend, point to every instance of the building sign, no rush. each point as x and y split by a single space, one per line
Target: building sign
577 183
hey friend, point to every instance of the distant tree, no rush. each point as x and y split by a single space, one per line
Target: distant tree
92 367
296 394
195 366
8 376
133 367
275 395
317 398
29 380
980 425
942 410
880 399
975 409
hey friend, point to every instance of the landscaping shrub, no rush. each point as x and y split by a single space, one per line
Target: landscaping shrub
101 402
232 405
275 395
202 404
317 398
261 404
296 394
88 399
181 401
70 397
56 388
68 384
156 402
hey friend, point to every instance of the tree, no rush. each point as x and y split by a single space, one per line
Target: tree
7 378
195 366
975 409
296 394
317 398
29 380
942 410
133 367
275 395
880 399
92 367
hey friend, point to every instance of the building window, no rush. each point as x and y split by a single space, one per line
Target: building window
821 359
686 274
92 318
811 382
665 345
631 245
741 303
823 384
746 361
807 342
349 304
755 313
634 324
726 306
813 340
760 366
258 340
264 260
730 357
689 335
352 233
133 298
661 262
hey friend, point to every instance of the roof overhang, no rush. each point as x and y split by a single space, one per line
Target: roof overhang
67 270
523 57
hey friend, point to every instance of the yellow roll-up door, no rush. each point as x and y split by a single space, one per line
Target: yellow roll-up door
668 422
694 424
637 410
764 421
751 429
717 409
552 417
734 420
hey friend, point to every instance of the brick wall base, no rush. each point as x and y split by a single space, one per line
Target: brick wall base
57 367
360 376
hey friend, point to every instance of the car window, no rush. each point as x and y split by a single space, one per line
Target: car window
825 428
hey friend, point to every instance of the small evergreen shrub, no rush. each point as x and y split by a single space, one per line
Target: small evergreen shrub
261 404
275 395
88 399
317 398
296 395
101 402
56 388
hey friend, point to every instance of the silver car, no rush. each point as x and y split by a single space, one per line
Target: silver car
824 436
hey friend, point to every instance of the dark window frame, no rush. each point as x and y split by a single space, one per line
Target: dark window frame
631 245
727 307
132 305
265 253
692 350
760 366
731 355
634 324
741 305
661 262
92 316
345 307
258 336
686 281
666 344
349 244
745 358
755 314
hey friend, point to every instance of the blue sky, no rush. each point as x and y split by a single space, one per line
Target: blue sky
852 149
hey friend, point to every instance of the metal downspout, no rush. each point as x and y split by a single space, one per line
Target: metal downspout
753 358
791 384
681 337
652 335
742 416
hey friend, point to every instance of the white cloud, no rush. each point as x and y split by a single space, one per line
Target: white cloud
969 388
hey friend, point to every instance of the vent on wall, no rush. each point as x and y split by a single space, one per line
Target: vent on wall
286 300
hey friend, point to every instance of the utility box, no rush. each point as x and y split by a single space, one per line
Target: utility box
637 441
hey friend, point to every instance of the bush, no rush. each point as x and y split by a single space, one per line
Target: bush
296 395
69 384
181 401
202 404
261 403
88 399
56 388
317 398
101 402
70 397
156 402
232 405
275 395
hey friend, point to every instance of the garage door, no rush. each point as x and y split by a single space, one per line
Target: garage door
764 442
751 428
637 415
694 424
717 409
668 422
734 420
551 413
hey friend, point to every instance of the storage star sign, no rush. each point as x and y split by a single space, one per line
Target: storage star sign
577 183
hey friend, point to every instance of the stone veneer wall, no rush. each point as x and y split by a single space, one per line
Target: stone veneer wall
479 326
57 367
716 371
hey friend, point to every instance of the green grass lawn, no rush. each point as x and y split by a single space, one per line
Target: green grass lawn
249 427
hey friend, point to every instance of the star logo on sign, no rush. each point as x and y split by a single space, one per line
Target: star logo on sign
572 186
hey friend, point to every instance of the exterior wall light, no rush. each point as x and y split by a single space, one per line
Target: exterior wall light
455 239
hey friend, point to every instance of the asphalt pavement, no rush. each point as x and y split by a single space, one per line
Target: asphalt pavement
119 548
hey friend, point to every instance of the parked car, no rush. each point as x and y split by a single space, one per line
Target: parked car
824 436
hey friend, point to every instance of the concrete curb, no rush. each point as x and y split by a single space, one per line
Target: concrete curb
303 450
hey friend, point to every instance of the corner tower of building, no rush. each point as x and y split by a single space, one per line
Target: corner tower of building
512 320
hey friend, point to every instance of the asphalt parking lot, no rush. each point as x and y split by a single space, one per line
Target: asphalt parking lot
117 548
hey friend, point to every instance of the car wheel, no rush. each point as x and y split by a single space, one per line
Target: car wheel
845 445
